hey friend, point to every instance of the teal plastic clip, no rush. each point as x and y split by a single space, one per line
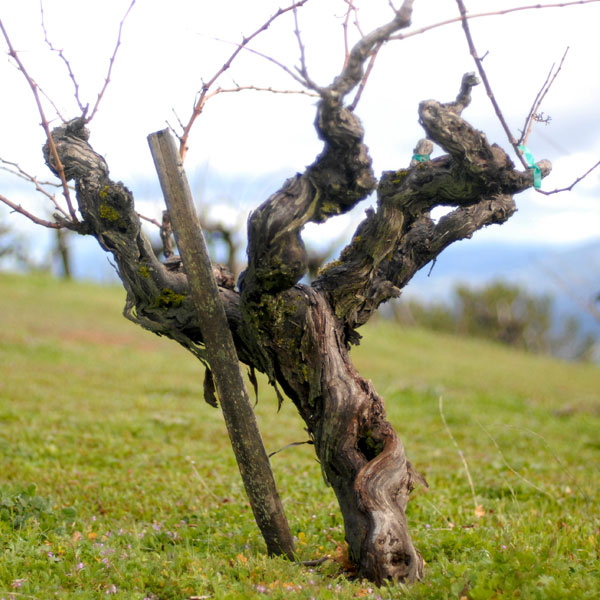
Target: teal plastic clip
537 174
421 157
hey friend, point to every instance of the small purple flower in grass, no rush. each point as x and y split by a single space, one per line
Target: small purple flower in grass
111 589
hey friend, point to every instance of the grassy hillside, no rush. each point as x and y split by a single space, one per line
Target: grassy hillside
117 479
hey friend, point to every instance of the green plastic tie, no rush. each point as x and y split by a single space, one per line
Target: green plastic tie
537 174
421 157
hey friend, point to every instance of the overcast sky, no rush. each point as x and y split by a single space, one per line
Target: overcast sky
245 142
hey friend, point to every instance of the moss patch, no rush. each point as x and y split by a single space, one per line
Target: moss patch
169 299
108 212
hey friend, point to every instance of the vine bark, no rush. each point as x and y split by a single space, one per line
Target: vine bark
300 334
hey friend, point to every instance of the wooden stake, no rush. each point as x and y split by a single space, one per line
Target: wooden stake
240 420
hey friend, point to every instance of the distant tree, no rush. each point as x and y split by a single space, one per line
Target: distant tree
14 248
300 335
504 313
63 252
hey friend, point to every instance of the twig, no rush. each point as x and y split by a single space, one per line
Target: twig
303 70
539 99
570 187
52 103
486 83
310 442
111 64
277 63
65 61
356 21
351 9
241 88
51 145
345 28
178 119
460 452
148 219
352 73
365 78
531 112
202 97
19 172
18 208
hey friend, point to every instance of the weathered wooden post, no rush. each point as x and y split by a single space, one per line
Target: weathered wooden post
222 357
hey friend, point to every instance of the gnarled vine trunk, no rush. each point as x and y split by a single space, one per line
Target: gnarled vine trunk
299 335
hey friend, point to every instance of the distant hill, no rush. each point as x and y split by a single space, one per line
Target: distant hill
570 275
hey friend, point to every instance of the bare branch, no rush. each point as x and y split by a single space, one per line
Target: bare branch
110 65
531 112
539 99
351 9
353 72
19 209
19 172
486 83
202 97
570 187
61 55
303 70
149 220
345 28
277 63
52 103
241 88
51 145
365 78
403 36
178 119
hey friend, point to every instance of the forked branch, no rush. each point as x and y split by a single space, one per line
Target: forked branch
22 211
535 108
200 101
57 164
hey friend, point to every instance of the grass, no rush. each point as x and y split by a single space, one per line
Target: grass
118 480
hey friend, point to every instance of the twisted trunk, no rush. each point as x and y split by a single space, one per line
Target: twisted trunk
300 335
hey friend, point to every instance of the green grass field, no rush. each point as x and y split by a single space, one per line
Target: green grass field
117 480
